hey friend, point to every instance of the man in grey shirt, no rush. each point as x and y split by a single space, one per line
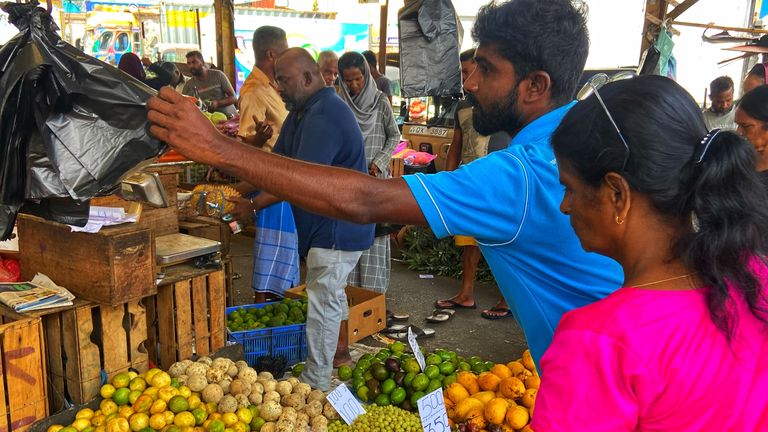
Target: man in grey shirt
721 114
382 83
210 85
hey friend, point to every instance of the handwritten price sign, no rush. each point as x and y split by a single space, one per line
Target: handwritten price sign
345 404
434 418
415 348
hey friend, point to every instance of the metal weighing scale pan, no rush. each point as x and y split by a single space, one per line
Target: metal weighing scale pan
175 248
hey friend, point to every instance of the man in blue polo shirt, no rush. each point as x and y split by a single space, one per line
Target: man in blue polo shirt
530 56
320 128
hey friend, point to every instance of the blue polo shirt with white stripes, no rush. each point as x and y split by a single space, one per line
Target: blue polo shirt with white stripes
510 202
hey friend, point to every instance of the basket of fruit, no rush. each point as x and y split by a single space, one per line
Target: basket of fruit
276 329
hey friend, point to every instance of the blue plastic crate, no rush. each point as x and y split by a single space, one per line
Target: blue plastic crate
288 341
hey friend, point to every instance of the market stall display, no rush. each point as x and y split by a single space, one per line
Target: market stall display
273 334
478 395
208 394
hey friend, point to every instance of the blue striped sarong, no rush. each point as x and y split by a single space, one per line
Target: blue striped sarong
275 250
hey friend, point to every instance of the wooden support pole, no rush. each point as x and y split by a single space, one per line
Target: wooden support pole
225 37
679 9
383 37
658 10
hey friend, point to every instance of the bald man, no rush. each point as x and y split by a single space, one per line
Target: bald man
329 66
320 128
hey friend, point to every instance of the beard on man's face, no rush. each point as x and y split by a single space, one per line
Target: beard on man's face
502 116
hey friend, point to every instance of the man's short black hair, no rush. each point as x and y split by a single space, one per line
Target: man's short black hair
467 55
195 53
265 38
536 35
719 85
370 57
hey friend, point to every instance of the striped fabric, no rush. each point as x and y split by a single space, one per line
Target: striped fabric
275 250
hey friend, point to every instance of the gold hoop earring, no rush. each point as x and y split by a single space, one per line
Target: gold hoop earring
619 220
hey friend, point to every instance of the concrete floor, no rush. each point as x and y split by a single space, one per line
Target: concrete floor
467 332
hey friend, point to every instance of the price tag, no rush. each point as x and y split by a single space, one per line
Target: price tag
345 404
415 348
434 418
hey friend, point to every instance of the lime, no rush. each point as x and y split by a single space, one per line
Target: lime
254 411
447 368
121 395
420 382
432 371
297 370
415 398
345 373
464 366
257 423
397 396
475 359
411 365
434 385
178 404
387 386
121 380
363 393
379 372
201 415
397 347
133 395
450 379
433 359
409 379
479 368
489 364
216 426
357 383
364 364
382 400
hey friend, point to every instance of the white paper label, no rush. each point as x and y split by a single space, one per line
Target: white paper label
434 418
415 348
345 404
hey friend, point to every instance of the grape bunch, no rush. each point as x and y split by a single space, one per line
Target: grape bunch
380 419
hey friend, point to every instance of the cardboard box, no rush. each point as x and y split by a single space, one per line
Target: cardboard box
439 138
367 310
111 267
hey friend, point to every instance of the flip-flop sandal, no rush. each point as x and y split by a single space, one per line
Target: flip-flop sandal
440 315
453 305
418 332
393 329
395 316
485 314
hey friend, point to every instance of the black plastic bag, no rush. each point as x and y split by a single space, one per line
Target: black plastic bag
70 126
430 39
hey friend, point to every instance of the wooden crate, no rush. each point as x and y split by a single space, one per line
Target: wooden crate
113 266
187 315
86 339
23 398
161 221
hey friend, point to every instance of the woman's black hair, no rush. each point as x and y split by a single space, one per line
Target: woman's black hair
718 203
350 60
755 103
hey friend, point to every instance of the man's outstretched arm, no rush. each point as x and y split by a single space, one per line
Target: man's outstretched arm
334 192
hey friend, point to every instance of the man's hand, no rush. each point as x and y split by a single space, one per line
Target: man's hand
374 170
146 61
262 135
243 211
178 122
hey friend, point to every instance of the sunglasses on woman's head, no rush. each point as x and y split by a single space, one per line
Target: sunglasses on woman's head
592 85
